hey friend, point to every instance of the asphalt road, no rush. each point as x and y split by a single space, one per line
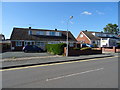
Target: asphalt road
97 73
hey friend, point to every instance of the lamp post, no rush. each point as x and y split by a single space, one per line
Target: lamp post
67 35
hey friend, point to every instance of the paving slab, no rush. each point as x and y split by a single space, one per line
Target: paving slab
47 60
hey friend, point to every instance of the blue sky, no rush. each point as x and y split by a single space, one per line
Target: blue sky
91 16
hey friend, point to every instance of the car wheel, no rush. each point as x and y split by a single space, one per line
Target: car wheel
25 51
39 51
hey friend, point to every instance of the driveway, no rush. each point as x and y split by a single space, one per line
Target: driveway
22 54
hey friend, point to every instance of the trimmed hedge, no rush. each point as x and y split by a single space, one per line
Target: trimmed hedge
86 48
57 49
76 48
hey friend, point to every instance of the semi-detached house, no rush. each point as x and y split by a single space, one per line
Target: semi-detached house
21 37
99 38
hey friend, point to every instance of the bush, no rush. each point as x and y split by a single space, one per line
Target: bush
76 48
57 49
118 44
86 48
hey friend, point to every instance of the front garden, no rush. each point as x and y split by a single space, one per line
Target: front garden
60 49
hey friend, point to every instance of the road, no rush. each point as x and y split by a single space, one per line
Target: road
94 73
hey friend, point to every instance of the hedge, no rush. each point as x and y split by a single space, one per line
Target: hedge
86 48
57 49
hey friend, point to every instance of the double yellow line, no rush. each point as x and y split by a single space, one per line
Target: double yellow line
54 64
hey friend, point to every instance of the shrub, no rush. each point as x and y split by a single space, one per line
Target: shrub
76 48
118 44
86 48
56 48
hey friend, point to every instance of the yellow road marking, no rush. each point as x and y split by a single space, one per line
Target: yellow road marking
54 64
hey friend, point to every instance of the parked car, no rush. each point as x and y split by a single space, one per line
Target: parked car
32 48
87 45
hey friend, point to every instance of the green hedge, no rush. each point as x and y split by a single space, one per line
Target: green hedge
86 48
56 49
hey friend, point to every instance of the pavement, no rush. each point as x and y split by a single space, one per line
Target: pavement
48 59
19 54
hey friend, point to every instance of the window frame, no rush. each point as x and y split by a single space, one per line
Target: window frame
18 43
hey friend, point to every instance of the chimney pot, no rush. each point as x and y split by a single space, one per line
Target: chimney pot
29 27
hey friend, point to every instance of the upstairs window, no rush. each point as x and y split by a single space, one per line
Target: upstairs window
58 34
40 33
52 33
81 35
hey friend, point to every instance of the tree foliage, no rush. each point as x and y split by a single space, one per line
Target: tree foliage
57 49
111 28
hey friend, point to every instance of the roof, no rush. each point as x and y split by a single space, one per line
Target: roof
90 35
99 32
22 34
111 37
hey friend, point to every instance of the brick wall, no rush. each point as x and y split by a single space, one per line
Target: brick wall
84 38
113 49
73 52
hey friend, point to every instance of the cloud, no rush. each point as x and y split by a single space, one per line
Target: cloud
100 13
86 13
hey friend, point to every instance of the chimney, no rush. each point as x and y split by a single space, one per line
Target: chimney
29 27
55 29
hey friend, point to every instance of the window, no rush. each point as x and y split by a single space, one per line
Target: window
104 38
28 43
18 43
71 45
93 41
81 35
40 33
47 33
41 44
58 34
52 33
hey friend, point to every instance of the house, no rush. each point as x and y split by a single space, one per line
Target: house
21 37
99 38
4 43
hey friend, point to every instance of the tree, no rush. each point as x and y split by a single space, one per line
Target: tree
111 28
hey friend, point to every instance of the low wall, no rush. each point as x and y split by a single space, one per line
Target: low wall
72 52
111 49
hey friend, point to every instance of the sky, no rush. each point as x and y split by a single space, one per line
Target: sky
91 16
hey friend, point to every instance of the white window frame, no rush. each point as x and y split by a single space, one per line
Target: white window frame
71 44
18 43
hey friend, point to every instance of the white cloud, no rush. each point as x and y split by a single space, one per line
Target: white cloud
100 13
86 13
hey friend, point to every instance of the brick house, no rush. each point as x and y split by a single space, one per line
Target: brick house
4 43
99 38
21 37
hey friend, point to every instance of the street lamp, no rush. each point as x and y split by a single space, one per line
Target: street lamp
67 35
